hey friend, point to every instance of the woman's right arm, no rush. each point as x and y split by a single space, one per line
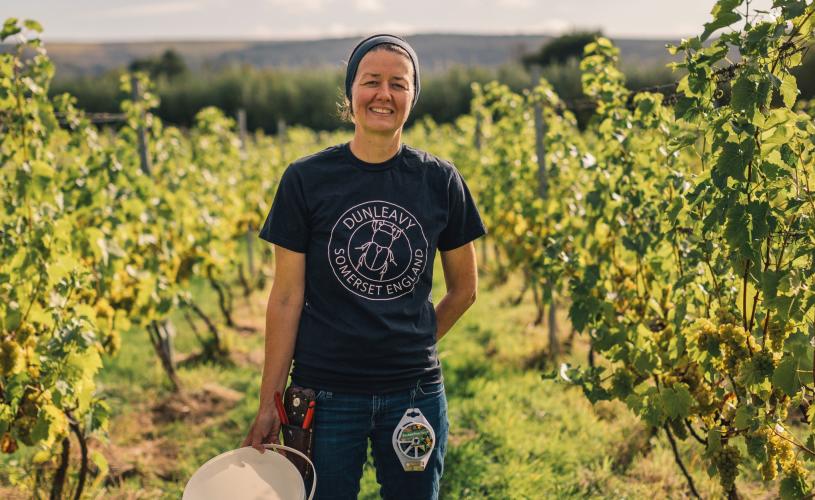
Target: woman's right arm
282 318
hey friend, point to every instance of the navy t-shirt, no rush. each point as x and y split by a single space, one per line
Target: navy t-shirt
370 233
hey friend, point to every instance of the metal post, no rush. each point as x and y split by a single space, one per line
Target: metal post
242 128
144 158
281 135
477 144
543 191
477 132
161 332
250 231
540 134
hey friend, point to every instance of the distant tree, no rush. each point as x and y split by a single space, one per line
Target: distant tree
146 64
169 64
561 49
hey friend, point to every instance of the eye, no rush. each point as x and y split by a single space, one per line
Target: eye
400 86
370 82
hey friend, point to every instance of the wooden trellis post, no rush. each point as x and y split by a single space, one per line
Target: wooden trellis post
543 191
161 333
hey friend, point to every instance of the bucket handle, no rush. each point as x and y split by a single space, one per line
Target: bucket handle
272 446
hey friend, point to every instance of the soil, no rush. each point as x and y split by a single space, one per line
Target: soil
148 453
11 494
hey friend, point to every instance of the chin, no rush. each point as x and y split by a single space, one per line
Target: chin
380 129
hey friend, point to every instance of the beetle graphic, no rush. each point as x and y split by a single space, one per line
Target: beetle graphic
377 255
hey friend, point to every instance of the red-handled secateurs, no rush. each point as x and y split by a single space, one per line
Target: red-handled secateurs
278 401
309 416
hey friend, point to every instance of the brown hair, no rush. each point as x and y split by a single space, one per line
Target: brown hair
344 110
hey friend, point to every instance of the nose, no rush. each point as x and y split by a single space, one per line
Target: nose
383 91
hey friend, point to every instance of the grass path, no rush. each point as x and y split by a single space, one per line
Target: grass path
512 434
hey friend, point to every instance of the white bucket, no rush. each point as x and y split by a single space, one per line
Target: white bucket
246 474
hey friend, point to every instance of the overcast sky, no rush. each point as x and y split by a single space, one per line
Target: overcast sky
108 20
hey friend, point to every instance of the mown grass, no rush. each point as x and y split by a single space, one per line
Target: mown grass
512 434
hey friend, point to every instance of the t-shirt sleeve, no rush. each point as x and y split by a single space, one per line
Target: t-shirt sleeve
464 223
287 224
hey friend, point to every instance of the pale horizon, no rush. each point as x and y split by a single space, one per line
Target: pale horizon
119 21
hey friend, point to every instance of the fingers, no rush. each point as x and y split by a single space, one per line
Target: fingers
247 441
256 441
253 439
260 433
273 437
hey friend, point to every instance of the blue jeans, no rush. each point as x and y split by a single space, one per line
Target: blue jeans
344 422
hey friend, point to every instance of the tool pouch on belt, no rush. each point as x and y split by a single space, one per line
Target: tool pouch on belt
295 402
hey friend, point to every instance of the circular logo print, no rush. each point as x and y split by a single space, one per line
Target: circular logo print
377 250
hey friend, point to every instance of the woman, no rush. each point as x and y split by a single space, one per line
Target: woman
355 228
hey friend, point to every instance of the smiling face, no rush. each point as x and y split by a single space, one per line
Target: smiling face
382 92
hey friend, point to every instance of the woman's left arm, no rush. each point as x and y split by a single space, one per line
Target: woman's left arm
461 278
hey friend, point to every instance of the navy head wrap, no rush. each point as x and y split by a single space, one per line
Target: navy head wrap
366 45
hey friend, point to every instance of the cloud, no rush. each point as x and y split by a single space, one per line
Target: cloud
685 29
299 5
516 4
340 30
261 31
368 5
149 9
396 28
310 32
553 26
334 30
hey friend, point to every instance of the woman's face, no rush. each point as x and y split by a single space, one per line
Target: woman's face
382 92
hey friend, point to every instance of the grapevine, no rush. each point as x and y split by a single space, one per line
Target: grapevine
680 231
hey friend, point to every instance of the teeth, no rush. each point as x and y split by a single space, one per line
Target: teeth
381 110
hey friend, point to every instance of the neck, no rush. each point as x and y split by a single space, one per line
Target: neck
375 148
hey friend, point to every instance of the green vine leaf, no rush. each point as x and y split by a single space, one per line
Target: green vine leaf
785 376
789 90
723 16
676 401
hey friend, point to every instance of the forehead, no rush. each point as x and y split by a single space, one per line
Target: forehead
385 62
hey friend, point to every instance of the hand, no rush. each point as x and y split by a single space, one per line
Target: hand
265 429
